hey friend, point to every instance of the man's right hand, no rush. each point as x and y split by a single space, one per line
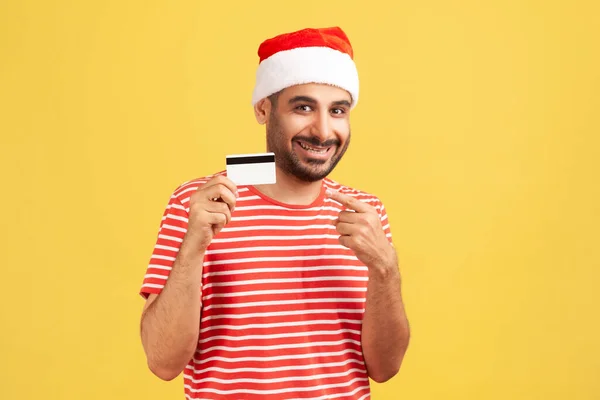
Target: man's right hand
210 210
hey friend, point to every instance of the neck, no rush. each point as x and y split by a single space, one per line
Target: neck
291 190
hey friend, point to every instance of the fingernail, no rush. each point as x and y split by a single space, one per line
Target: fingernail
328 192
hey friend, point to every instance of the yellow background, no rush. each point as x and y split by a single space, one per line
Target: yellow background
478 126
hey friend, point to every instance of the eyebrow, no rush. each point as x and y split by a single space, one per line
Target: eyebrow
341 103
304 99
307 99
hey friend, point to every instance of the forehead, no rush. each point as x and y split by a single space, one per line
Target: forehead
322 93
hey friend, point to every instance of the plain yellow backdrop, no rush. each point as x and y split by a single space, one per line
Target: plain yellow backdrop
478 126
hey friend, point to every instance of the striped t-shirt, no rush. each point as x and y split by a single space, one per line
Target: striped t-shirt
282 300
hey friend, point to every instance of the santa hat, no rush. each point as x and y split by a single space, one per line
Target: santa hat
306 56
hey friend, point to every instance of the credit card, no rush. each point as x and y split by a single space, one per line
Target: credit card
251 169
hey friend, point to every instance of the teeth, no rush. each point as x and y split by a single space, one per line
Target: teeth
305 147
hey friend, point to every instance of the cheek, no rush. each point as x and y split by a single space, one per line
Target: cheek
342 128
293 126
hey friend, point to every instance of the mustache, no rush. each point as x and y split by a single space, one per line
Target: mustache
317 143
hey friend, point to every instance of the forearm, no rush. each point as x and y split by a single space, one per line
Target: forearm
385 330
170 324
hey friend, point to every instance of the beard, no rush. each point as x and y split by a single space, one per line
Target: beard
309 170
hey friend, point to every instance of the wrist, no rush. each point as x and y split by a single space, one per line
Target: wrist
386 266
191 253
383 272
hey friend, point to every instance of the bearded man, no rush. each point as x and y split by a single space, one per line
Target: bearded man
282 291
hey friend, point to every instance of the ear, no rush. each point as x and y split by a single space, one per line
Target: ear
262 110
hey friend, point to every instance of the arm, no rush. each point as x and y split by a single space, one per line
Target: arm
385 330
170 322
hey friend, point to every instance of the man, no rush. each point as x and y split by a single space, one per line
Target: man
283 291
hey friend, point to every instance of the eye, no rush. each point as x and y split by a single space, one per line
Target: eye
304 108
338 111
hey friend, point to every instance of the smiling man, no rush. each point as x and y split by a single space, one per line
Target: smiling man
283 291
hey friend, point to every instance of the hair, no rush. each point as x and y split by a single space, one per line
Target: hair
273 99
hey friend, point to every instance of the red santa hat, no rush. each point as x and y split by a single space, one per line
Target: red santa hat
307 56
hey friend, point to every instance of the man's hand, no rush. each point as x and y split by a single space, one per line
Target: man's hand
385 331
361 230
170 321
210 210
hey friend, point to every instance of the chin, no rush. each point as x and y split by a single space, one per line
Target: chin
311 174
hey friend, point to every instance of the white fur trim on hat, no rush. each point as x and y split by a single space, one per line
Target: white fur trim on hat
306 65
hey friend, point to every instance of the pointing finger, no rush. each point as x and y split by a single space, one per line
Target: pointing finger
347 201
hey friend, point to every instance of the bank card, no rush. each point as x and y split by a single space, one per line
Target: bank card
251 169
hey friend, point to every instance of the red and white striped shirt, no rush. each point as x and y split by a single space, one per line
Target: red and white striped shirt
282 300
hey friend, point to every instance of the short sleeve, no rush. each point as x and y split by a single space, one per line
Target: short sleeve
173 227
385 223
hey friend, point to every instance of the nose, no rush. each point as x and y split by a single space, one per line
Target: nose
321 128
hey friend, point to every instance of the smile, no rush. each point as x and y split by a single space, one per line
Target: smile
306 147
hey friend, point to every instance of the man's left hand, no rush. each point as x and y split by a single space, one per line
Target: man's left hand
361 231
